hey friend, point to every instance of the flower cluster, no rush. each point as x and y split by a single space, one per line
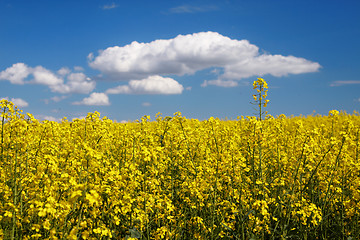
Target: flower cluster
179 178
260 97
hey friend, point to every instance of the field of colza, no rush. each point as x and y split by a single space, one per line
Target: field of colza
258 177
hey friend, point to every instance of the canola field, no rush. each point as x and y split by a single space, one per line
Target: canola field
177 178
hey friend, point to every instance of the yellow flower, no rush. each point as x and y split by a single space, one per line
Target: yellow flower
333 113
93 197
8 214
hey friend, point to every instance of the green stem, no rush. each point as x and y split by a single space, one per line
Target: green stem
2 134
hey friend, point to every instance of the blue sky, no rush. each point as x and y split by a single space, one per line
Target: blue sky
127 59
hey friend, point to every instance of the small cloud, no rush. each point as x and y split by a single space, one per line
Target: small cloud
64 71
193 9
151 85
95 99
57 110
146 104
109 6
17 102
342 83
20 102
49 118
78 118
78 69
216 71
58 98
76 83
45 77
16 74
188 88
220 83
90 57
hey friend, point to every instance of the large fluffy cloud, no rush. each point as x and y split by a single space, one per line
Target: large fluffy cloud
64 81
151 85
184 54
187 54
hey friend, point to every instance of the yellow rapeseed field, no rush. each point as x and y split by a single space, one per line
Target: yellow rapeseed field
258 177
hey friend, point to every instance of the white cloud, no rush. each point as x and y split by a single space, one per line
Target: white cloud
220 83
187 54
345 82
45 77
56 110
123 89
193 9
17 102
95 99
78 118
109 6
275 65
78 69
63 71
58 98
75 82
16 74
77 77
146 104
90 57
49 118
150 85
184 54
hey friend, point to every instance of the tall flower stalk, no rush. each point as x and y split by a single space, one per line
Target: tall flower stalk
260 97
